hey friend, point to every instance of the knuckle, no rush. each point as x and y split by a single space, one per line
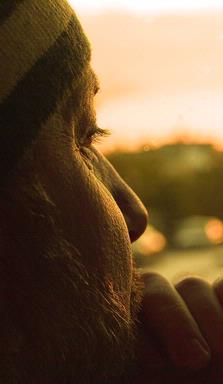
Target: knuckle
191 283
152 275
218 286
154 283
158 292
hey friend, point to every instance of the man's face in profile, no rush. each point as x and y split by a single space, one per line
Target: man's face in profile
101 215
98 215
68 217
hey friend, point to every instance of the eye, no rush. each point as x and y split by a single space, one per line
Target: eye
93 136
85 144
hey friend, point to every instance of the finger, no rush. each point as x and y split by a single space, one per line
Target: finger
204 305
169 318
218 288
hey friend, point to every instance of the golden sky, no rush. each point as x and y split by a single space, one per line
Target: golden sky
140 6
161 75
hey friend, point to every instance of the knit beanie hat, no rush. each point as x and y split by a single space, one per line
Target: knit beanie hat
43 52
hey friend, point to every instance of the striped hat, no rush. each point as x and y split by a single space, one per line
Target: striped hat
43 52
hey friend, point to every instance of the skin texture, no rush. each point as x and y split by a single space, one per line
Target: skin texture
87 180
69 293
67 255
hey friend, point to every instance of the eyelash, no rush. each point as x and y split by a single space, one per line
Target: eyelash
95 136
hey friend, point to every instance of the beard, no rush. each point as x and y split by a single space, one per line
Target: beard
74 326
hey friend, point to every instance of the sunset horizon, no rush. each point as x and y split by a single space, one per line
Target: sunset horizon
160 75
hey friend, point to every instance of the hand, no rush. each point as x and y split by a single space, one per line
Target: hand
179 334
205 303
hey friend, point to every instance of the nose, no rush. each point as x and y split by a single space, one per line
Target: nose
134 212
138 226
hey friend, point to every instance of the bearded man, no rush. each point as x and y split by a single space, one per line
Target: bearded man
70 296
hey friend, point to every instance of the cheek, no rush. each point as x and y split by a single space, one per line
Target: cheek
93 223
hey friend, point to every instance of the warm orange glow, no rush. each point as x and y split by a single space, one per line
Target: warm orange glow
214 231
161 76
151 242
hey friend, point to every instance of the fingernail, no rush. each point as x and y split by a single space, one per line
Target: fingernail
191 354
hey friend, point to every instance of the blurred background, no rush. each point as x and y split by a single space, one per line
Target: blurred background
160 67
